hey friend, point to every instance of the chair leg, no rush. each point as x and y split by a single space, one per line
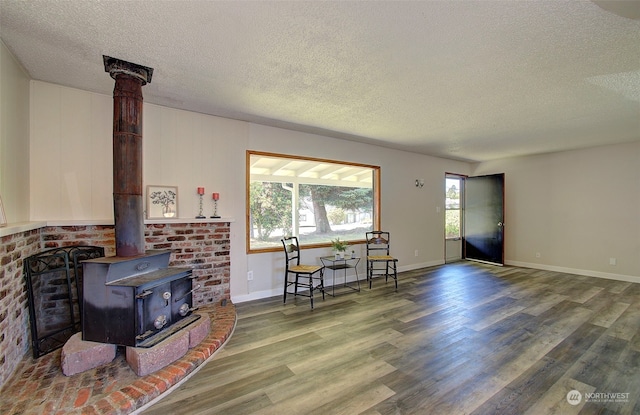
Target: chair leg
311 290
367 267
391 270
286 282
395 273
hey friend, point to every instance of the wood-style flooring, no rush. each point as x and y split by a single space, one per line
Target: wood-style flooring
461 338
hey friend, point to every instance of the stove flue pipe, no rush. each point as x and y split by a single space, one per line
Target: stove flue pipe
127 154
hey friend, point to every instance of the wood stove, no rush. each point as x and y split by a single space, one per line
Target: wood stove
133 298
136 301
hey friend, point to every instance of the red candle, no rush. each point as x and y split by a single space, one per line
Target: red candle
216 196
200 190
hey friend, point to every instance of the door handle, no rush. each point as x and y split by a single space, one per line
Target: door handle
500 224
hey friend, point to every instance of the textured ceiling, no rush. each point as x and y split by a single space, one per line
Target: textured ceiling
470 80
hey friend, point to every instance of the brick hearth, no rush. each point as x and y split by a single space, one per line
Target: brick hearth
38 386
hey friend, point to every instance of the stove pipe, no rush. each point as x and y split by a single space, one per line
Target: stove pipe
127 154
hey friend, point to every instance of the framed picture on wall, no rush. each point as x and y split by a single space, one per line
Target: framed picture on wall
3 218
162 202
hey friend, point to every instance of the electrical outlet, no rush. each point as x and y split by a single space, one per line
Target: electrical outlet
250 276
416 252
612 261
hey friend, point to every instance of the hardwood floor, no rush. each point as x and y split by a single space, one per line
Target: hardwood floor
462 338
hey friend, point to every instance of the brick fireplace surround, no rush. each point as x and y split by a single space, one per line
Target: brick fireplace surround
30 386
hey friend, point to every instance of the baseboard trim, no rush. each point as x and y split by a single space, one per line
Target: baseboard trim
258 295
585 272
421 265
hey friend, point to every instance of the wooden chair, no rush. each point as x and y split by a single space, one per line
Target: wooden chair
379 262
309 277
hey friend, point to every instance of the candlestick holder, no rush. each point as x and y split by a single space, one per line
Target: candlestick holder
215 209
200 215
215 196
200 194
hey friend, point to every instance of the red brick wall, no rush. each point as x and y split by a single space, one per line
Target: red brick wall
201 246
98 235
204 247
15 339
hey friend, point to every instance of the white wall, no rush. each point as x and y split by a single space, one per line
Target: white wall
414 216
71 175
577 209
14 137
71 154
562 205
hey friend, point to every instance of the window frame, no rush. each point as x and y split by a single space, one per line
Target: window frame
375 188
461 178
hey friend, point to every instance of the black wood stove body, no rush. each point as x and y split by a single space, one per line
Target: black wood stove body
135 301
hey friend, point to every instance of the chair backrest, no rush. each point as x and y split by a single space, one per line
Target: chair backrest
291 251
377 243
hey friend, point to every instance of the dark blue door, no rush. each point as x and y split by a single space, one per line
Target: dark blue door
484 218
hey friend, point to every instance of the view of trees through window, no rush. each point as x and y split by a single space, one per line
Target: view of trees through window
315 200
452 207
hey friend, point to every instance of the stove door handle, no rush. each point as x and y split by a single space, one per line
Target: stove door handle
197 287
144 294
